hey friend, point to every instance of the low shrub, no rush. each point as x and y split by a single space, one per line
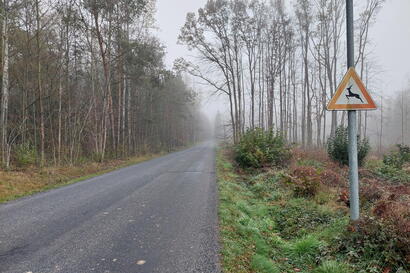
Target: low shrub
337 147
331 178
380 241
393 160
396 215
25 155
398 158
370 191
258 148
305 181
404 151
393 174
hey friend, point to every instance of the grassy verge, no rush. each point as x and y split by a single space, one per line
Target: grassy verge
265 228
16 184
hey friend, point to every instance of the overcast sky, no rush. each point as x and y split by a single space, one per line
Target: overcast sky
171 15
390 38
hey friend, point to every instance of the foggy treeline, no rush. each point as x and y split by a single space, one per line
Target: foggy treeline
86 79
390 124
279 62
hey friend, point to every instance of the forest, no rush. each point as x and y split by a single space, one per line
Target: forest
122 172
284 172
278 64
85 79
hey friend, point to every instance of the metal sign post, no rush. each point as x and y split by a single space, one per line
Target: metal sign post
351 96
352 119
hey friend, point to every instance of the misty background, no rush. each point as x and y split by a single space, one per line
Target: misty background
388 82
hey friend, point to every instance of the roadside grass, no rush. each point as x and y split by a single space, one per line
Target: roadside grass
296 219
265 229
20 183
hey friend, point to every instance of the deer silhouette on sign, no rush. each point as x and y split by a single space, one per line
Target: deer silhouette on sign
353 95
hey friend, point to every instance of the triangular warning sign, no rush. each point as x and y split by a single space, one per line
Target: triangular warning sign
351 94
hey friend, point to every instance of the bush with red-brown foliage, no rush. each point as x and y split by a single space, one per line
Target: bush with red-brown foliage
382 231
384 228
374 237
371 190
395 217
332 178
398 190
395 212
305 181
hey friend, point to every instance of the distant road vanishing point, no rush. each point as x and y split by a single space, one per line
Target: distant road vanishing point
157 216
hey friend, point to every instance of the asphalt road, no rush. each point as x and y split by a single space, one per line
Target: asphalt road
157 216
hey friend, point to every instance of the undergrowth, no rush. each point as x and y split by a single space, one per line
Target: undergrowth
269 224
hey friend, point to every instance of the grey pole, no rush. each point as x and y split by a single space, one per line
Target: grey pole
352 119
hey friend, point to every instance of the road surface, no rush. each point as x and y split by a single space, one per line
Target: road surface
157 216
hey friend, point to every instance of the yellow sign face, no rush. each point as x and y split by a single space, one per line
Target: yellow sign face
351 95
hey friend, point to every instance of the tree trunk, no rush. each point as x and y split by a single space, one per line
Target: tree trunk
5 88
39 87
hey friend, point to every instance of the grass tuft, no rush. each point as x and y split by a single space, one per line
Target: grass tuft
261 264
333 267
305 249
